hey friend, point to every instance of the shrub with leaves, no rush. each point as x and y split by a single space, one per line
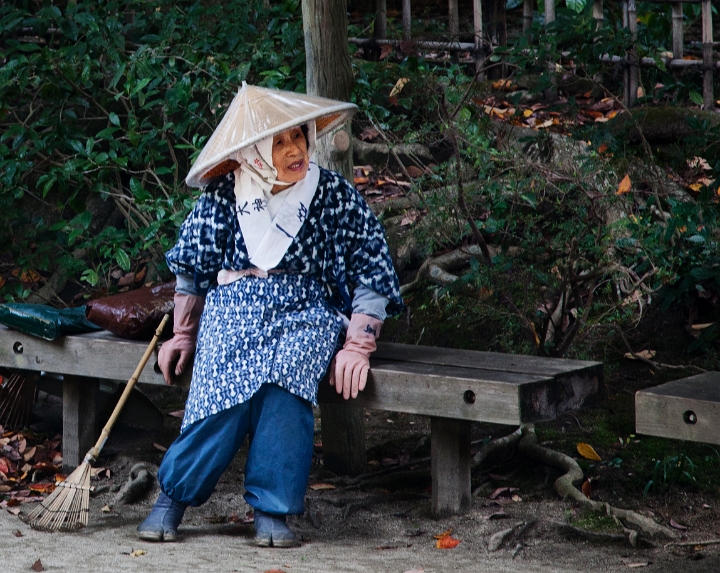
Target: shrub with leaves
103 106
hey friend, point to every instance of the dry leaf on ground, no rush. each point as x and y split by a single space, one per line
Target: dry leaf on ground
321 486
677 525
646 354
37 566
625 185
587 451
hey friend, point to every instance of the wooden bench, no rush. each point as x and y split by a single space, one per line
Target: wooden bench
685 409
453 387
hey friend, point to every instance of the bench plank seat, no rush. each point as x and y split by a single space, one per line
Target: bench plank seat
452 387
685 409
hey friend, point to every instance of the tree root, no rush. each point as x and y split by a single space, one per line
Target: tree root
437 269
565 488
498 539
509 441
139 482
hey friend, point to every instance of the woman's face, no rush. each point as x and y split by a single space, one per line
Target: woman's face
290 156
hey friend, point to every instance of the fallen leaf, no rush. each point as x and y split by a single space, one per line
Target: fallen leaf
635 565
385 51
177 414
29 454
516 498
138 553
383 547
398 87
44 487
587 489
368 134
625 185
414 171
646 354
275 571
37 566
414 571
702 326
17 533
14 510
159 447
126 280
676 525
447 542
106 509
360 180
503 491
587 451
527 112
321 486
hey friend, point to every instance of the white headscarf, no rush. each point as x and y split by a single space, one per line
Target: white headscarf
267 238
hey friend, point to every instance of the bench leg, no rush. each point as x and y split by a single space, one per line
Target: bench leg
343 439
450 467
79 419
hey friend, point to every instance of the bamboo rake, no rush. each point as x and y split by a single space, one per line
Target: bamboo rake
68 507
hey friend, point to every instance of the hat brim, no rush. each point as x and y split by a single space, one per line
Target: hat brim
327 114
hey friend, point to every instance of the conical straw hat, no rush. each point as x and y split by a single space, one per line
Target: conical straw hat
256 113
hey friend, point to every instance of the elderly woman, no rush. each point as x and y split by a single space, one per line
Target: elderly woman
277 264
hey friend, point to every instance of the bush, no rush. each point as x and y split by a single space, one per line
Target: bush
110 101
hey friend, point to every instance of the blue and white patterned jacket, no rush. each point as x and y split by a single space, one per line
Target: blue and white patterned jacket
341 243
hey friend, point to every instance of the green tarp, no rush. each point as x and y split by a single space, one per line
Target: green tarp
45 321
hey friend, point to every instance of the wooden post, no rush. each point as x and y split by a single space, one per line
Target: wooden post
380 29
453 21
632 56
550 93
707 44
450 466
527 15
599 17
479 48
79 419
329 74
677 31
406 20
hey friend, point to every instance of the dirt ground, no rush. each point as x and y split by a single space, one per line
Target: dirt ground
382 523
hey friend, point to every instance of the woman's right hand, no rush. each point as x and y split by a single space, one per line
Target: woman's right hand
175 355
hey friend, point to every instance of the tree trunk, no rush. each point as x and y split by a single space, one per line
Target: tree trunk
329 74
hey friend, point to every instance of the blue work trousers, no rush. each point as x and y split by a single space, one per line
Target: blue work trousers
280 426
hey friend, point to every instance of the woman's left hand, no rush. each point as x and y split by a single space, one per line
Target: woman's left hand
348 372
349 369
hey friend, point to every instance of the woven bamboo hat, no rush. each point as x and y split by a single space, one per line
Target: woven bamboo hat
256 113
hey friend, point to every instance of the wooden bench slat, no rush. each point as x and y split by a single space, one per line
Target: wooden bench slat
96 355
519 363
464 393
686 409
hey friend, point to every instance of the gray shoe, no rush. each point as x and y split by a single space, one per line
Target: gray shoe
163 521
272 531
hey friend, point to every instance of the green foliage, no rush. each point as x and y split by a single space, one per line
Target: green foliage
111 101
672 471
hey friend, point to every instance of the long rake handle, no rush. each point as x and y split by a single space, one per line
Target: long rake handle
93 454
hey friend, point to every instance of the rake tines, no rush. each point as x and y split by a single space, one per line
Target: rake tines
66 508
17 396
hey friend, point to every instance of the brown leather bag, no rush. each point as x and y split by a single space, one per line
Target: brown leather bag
135 314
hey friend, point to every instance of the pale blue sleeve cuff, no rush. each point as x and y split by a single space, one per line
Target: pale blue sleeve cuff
367 301
185 284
